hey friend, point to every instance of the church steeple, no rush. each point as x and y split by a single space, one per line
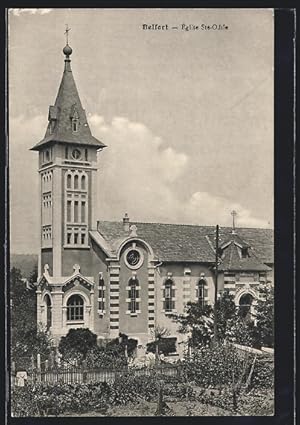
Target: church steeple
68 178
67 118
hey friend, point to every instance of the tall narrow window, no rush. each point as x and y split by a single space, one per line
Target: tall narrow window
83 182
101 298
83 212
69 236
86 154
76 211
48 311
75 306
76 179
133 295
69 206
169 294
82 238
75 238
202 292
69 181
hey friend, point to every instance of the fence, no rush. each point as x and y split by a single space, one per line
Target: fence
81 375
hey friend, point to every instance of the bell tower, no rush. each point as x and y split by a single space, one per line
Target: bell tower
67 175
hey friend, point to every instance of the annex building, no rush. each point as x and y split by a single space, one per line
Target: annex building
124 276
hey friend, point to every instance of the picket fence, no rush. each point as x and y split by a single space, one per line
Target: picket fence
80 375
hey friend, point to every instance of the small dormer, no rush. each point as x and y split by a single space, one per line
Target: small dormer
52 118
74 119
245 252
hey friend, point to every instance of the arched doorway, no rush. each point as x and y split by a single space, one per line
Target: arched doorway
245 304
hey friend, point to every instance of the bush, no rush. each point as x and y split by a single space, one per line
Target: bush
165 346
213 367
263 373
76 344
47 399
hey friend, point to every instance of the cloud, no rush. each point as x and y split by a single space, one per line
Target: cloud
216 209
138 173
18 12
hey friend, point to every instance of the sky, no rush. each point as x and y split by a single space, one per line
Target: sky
187 116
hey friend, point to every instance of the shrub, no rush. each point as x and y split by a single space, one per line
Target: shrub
263 373
76 344
212 367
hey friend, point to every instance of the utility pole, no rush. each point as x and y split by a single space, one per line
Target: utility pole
216 286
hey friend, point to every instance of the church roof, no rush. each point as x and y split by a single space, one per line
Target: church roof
66 108
232 260
188 243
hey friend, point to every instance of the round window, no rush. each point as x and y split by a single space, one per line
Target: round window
134 258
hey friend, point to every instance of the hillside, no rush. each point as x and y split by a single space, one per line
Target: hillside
24 262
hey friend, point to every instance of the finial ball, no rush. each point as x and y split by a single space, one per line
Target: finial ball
67 50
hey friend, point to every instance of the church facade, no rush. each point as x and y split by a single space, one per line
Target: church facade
124 277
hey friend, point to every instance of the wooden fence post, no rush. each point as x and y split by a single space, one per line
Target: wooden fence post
13 373
32 362
38 364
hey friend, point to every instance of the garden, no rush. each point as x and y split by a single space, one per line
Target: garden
215 378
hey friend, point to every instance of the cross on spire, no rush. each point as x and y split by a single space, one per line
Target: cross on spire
234 214
67 33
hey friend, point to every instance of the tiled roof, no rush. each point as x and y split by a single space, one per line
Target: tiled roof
66 103
186 243
233 261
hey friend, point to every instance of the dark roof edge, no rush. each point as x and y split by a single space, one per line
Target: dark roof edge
42 144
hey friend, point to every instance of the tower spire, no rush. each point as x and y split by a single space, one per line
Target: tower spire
67 50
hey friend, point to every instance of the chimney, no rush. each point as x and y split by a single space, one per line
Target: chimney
126 222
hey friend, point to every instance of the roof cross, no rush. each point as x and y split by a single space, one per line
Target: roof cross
67 33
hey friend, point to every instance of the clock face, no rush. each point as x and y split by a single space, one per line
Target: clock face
133 257
76 154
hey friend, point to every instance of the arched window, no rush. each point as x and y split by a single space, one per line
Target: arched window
202 292
69 181
133 295
75 306
245 306
83 182
76 181
48 312
169 294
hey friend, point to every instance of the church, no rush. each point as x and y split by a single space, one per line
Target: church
124 277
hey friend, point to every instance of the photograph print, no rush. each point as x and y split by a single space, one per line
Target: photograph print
141 150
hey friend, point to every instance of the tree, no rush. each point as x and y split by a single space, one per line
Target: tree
75 346
158 333
265 315
197 322
26 338
226 316
125 345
